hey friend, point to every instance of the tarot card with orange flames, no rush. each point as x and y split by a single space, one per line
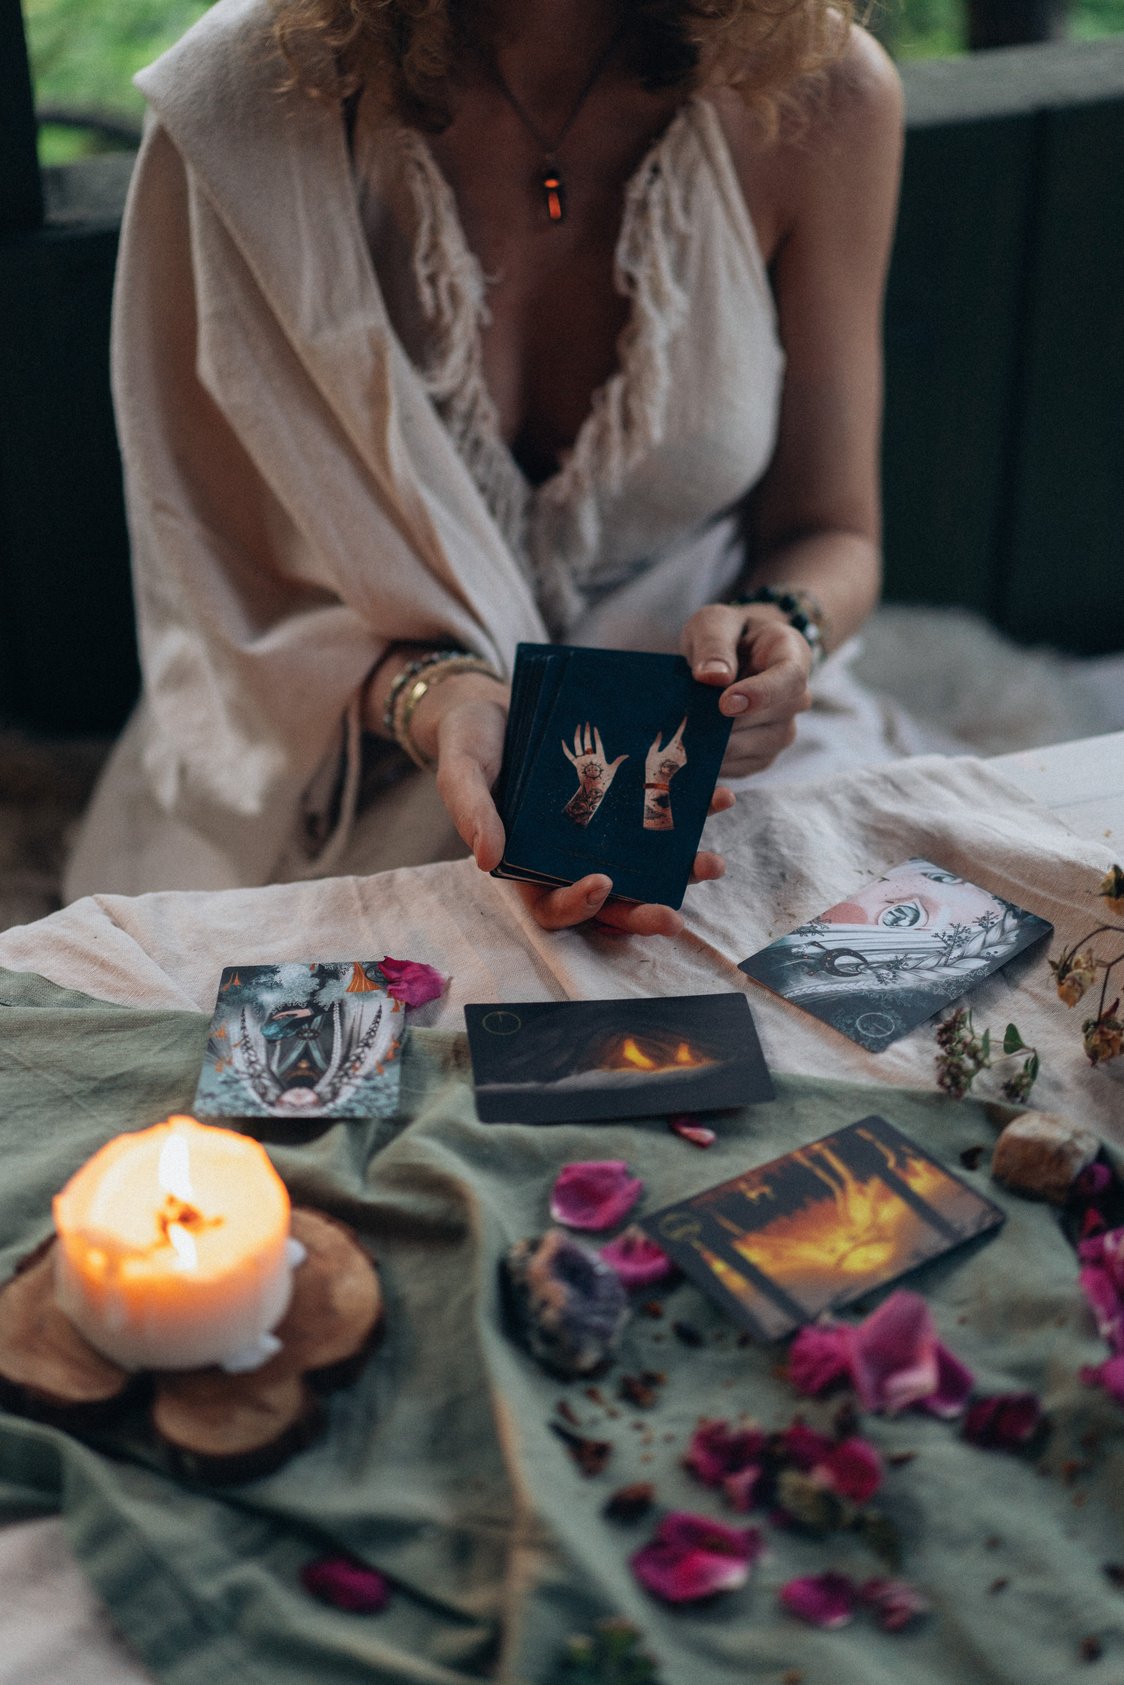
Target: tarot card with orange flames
818 1228
565 1061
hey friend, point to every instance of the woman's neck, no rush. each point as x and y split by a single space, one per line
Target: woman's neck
545 48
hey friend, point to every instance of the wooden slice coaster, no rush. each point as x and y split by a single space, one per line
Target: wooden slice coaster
216 1427
46 1368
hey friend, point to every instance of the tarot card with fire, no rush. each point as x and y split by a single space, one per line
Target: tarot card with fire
816 1229
302 1040
565 1061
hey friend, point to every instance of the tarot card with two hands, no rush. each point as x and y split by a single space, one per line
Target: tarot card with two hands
302 1040
820 1227
609 764
895 952
584 1060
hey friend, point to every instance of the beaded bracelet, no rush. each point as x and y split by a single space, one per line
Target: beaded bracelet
402 679
441 665
804 613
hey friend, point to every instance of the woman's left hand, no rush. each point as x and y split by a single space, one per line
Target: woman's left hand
768 662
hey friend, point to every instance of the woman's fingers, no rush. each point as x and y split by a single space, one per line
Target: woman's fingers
722 799
471 745
708 866
573 903
711 643
753 748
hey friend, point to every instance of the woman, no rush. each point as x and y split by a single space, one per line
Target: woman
465 322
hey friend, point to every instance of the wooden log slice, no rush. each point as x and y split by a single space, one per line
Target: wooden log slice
224 1428
336 1311
228 1428
215 1427
47 1369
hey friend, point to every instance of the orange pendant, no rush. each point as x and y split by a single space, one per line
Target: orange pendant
554 193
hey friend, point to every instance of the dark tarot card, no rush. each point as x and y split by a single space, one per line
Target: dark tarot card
610 760
299 1040
895 952
816 1229
562 1061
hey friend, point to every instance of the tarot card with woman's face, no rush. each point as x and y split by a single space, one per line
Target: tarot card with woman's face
302 1040
896 951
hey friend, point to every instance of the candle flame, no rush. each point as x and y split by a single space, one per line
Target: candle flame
174 1169
187 1257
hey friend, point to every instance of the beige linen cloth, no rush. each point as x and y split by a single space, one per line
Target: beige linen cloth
791 852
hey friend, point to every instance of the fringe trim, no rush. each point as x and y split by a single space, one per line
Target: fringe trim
452 292
555 530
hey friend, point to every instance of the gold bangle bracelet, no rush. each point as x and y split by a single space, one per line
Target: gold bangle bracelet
434 673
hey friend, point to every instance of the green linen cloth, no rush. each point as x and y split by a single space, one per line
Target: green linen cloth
439 1465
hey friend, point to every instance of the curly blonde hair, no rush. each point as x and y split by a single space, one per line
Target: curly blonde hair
412 53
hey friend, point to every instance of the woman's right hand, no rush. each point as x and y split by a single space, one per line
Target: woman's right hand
462 723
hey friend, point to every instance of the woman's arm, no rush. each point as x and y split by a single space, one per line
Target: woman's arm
829 203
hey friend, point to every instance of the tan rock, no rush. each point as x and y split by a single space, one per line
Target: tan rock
1040 1154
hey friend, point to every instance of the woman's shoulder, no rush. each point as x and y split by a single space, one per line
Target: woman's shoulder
834 132
227 53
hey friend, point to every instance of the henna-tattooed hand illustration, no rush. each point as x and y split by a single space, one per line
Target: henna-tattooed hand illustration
595 774
660 768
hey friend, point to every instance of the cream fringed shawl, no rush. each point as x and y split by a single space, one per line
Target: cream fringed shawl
290 487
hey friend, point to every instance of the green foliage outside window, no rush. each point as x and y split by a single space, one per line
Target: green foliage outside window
84 53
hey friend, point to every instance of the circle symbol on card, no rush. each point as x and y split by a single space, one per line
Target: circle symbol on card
501 1023
876 1025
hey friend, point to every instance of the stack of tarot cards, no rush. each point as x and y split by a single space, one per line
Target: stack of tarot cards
609 764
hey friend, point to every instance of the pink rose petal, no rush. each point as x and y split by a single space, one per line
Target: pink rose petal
954 1386
411 982
817 1358
1003 1421
692 1557
1102 1293
894 1602
823 1600
852 1468
893 1354
717 1451
803 1447
594 1194
637 1259
740 1488
346 1584
687 1126
1109 1375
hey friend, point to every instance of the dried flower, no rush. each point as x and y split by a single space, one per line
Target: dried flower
1074 974
716 1451
964 1054
691 1557
411 982
893 1359
1010 1421
1111 890
687 1126
346 1583
594 1194
894 1602
823 1600
1104 1036
637 1259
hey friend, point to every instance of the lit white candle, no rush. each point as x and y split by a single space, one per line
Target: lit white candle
173 1248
